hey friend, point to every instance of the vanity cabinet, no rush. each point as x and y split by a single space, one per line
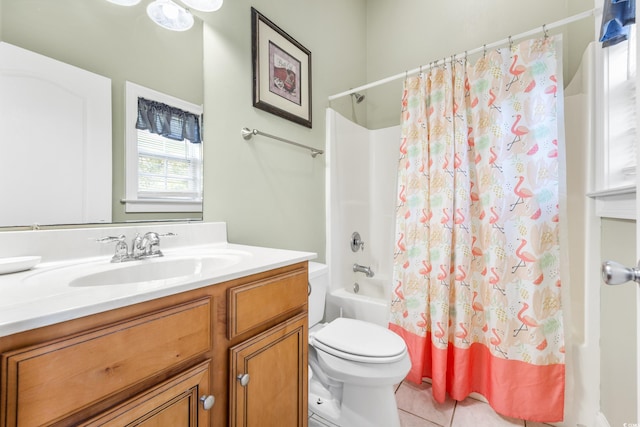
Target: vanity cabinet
171 361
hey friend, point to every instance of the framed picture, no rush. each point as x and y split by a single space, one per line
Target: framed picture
281 72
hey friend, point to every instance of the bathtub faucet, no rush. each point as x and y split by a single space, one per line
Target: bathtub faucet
362 269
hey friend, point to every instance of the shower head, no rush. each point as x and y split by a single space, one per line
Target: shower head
358 97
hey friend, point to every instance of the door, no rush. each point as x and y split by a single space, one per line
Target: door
638 222
617 274
268 375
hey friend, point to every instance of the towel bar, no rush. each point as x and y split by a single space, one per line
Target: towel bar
248 133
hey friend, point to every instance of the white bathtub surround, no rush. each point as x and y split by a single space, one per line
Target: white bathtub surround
360 194
29 299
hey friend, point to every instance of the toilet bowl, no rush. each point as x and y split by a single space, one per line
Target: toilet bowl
355 365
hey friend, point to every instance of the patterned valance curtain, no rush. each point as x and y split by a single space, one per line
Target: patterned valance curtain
617 17
168 121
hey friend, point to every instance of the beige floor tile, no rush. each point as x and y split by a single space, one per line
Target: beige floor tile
418 400
471 412
410 420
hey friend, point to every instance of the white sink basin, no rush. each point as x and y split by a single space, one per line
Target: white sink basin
156 269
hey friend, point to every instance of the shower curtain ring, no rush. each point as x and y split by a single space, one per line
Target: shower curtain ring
466 57
484 51
544 30
510 43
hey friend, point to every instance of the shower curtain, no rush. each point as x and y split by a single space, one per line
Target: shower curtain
476 264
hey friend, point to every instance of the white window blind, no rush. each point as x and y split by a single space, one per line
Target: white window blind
168 168
620 123
615 127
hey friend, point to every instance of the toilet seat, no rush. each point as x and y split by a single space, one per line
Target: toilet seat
359 341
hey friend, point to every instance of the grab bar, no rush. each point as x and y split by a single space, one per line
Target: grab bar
248 133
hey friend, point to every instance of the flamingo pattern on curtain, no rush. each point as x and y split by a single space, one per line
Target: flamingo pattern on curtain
477 262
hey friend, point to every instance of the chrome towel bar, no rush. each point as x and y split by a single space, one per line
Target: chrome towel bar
248 133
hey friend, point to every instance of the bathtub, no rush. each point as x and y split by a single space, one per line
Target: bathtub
370 303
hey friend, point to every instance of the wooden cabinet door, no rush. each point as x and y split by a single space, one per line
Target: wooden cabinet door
276 364
175 402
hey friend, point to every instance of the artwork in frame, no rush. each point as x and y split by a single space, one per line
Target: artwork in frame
281 71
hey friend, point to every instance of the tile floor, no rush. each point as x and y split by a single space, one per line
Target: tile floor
418 409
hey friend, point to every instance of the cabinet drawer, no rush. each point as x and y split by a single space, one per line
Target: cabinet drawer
51 381
255 303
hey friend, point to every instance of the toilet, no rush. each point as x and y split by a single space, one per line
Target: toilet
354 365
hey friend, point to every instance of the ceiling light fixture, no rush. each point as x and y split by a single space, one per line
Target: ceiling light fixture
204 5
169 15
125 2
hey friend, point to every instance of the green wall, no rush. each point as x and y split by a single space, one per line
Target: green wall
405 34
268 192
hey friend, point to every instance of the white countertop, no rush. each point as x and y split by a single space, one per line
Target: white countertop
42 296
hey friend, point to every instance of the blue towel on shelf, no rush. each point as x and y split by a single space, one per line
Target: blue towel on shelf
617 16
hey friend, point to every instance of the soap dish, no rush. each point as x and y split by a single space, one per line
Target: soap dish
16 264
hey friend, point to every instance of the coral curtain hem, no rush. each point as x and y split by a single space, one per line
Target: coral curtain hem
541 388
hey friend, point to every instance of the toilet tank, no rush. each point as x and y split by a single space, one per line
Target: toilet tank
319 282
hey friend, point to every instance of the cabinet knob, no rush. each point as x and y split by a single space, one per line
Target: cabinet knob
244 379
207 402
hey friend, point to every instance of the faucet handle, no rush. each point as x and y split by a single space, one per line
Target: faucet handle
122 251
109 239
356 242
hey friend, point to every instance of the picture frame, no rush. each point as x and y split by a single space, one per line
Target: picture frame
281 72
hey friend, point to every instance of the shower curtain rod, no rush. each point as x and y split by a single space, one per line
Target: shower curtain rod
544 28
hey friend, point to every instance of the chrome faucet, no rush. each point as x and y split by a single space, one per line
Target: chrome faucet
151 244
147 246
362 269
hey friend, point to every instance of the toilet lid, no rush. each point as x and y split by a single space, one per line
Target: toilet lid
360 341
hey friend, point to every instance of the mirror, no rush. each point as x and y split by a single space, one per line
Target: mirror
117 42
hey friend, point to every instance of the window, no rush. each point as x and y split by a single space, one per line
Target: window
615 143
163 171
